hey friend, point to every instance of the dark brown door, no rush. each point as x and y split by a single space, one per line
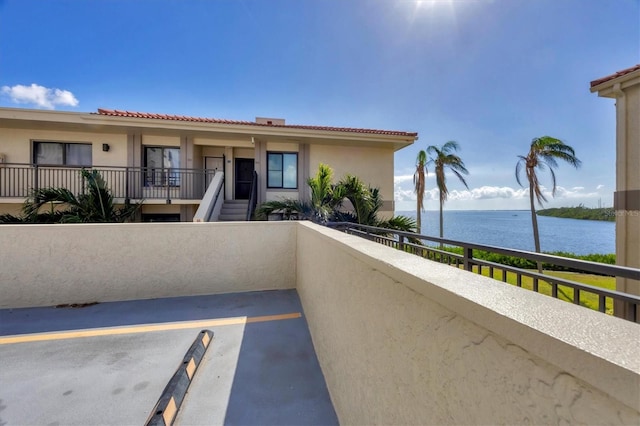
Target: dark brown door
243 176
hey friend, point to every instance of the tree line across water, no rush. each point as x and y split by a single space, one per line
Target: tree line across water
580 212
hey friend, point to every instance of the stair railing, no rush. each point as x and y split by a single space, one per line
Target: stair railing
253 198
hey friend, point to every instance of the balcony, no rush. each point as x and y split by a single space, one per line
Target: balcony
399 339
125 183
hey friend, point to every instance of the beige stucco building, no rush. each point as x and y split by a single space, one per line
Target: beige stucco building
624 87
168 161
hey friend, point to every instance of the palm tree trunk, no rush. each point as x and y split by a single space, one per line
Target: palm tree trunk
441 223
418 220
534 223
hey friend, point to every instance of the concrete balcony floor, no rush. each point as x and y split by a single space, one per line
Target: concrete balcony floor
109 363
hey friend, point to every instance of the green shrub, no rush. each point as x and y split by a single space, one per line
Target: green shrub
518 262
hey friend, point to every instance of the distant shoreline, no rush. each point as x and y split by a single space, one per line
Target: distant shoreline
512 229
413 212
580 212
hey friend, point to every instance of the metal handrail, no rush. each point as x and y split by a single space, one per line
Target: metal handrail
253 198
412 242
17 180
218 192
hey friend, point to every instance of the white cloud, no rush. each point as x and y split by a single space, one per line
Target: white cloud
577 192
599 186
489 197
40 96
402 179
489 192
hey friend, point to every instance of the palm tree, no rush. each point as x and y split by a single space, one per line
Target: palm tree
367 202
544 152
325 196
327 199
444 158
96 205
419 182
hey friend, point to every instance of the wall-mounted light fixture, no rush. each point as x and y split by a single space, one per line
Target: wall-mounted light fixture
105 147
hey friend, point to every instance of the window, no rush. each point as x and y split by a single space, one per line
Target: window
282 170
161 217
62 154
162 166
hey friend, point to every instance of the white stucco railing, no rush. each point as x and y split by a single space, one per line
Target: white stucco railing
211 204
45 265
404 340
400 339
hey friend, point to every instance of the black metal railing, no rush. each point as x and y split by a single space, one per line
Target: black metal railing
415 243
129 183
253 198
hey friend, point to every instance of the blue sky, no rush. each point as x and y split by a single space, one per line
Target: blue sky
490 74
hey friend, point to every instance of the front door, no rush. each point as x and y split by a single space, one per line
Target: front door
243 177
213 163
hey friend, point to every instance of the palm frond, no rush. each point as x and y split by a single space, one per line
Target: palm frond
95 204
398 223
553 181
293 210
61 197
450 146
320 185
9 218
544 153
519 168
460 177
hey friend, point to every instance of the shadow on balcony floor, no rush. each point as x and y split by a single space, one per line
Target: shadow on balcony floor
71 367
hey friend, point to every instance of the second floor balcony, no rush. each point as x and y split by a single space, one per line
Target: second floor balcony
17 181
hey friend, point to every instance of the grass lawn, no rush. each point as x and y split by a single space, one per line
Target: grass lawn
588 300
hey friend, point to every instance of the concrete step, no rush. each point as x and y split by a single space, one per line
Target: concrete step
232 217
234 207
234 210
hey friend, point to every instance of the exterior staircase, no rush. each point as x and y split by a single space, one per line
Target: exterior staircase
234 210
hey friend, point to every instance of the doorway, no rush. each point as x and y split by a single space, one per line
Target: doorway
213 164
243 178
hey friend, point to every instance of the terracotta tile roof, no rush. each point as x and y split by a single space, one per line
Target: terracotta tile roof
118 113
615 75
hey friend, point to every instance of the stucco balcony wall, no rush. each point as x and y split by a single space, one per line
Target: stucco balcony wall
45 265
403 340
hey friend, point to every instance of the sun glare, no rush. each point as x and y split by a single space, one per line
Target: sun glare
431 3
441 8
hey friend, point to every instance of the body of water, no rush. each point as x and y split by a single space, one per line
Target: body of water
512 229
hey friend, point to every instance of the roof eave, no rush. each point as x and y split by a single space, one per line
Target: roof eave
607 88
256 130
398 141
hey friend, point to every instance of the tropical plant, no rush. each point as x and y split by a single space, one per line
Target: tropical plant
419 182
324 201
367 202
325 197
327 203
544 152
96 205
443 158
